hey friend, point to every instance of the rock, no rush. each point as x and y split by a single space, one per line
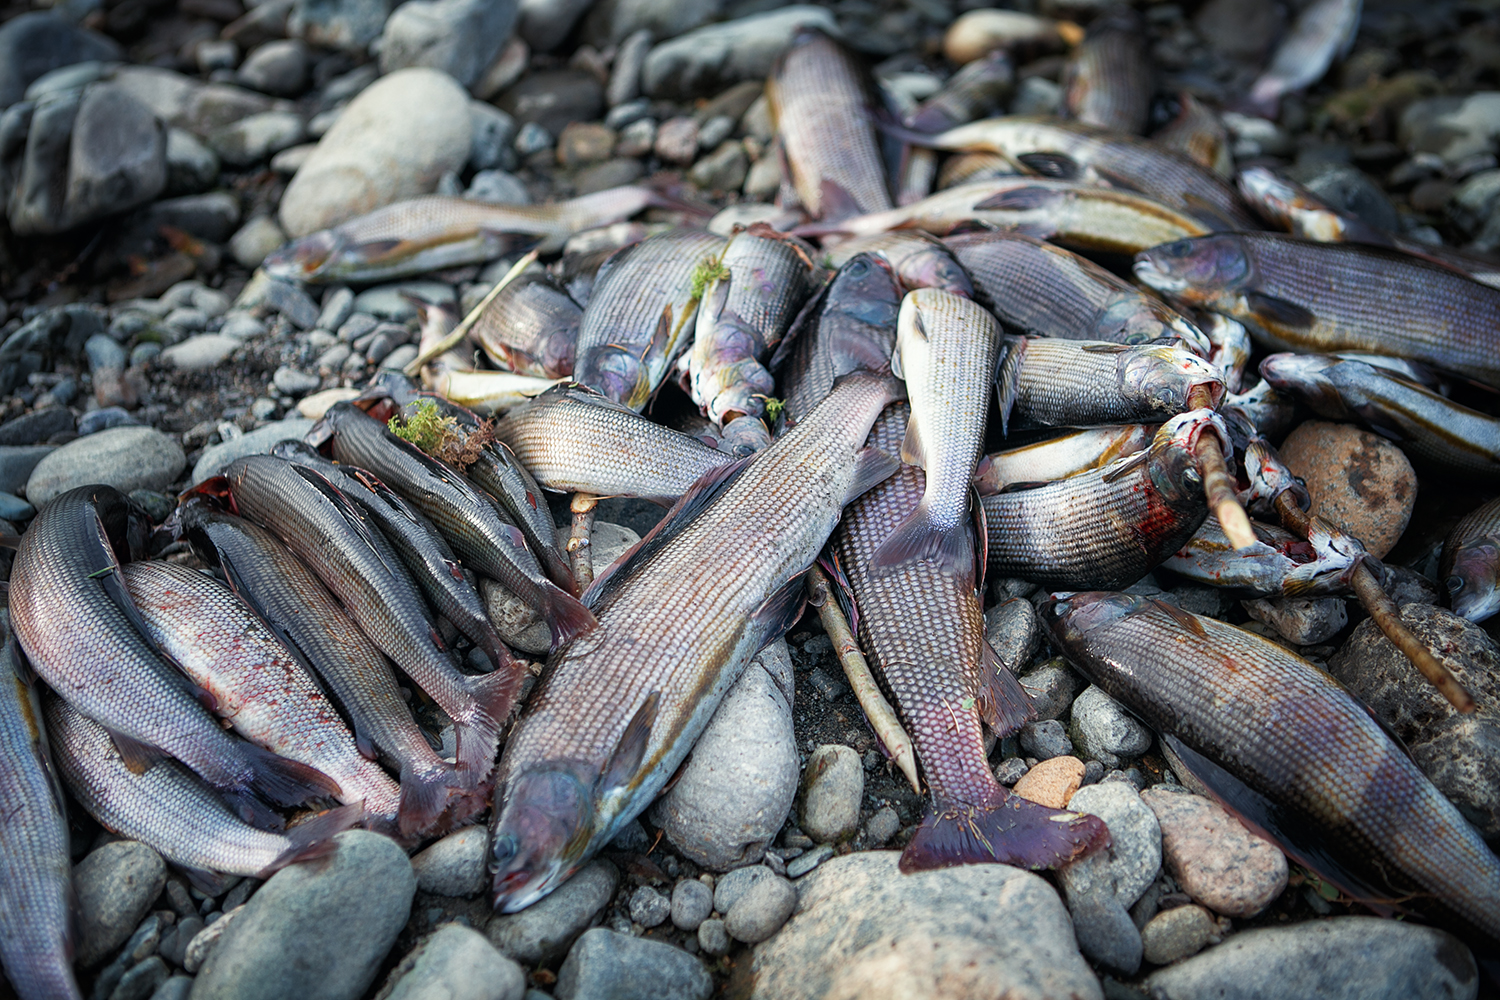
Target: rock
1101 887
1011 770
544 930
254 138
1460 754
1326 959
583 143
191 166
499 187
457 963
1103 730
612 21
142 980
394 301
293 382
212 217
1454 128
1213 857
205 941
200 353
882 826
1015 634
175 988
1045 739
604 965
519 624
677 140
350 25
316 931
531 138
458 37
1052 782
545 24
291 301
1177 933
648 907
494 133
257 442
1351 190
832 789
732 885
1051 687
242 326
17 463
553 98
737 788
1105 932
761 910
115 885
706 61
127 458
38 425
713 938
35 43
314 406
625 78
393 141
255 241
722 170
692 902
278 68
186 103
975 931
1303 620
1359 481
454 866
614 173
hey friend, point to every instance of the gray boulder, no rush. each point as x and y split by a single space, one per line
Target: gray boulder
38 42
459 37
127 458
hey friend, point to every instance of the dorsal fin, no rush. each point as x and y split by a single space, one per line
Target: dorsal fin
1186 619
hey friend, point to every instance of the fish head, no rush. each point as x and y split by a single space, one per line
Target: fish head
866 289
312 256
617 374
1271 195
1307 377
1473 581
1169 375
541 837
1196 270
1268 410
935 267
1173 459
1071 617
1269 477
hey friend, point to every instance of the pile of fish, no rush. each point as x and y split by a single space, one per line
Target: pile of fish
850 356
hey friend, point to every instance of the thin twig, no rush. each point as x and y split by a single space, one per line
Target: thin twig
1218 484
580 542
462 329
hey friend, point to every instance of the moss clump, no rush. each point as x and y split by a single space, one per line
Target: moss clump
774 407
709 270
440 436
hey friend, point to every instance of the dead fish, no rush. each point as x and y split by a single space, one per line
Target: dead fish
968 168
1109 526
947 349
918 260
438 319
1322 33
438 231
1262 407
618 711
83 633
1300 295
977 32
487 392
946 680
640 315
1289 750
1109 79
1470 566
300 611
531 327
1060 457
170 809
1199 134
1229 346
975 91
821 103
1280 564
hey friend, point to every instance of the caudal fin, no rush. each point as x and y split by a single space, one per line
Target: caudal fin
919 539
479 736
314 837
424 798
288 782
1006 829
566 616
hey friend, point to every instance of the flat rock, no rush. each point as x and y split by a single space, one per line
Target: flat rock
393 141
833 786
317 932
544 930
737 788
604 965
1052 782
127 458
38 425
1213 857
865 931
712 58
200 353
189 104
457 963
258 442
1346 958
116 885
455 865
1359 481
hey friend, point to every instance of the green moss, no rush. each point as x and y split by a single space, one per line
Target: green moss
774 407
709 270
426 427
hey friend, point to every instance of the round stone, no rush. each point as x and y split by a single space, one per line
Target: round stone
1359 481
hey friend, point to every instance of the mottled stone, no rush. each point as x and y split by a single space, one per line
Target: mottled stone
1177 933
116 885
1359 481
457 963
544 930
1213 857
833 786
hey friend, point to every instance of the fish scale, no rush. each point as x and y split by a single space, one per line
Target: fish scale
1110 80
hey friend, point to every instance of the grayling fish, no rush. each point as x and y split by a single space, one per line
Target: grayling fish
1470 566
918 260
1060 457
1279 564
531 327
1109 79
1323 32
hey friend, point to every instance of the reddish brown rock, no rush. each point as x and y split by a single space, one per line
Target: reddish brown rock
1359 481
1213 857
1052 782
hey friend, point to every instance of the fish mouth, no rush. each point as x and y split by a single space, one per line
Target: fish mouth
515 890
1152 275
303 259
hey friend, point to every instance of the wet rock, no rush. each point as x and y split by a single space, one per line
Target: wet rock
257 442
554 98
17 463
1454 128
1303 620
648 907
37 42
1359 481
1052 782
458 37
761 910
610 966
254 138
1213 857
200 353
1045 739
127 458
833 786
255 241
705 61
191 165
543 931
1328 959
278 68
738 786
338 24
1459 753
975 931
315 931
1177 933
692 902
1103 730
1051 687
455 865
393 141
116 885
457 963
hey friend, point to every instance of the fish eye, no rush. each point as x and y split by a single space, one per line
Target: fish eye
1191 476
858 267
1454 583
503 851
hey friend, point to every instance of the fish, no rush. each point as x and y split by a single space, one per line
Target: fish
1470 564
978 89
1300 295
616 712
489 392
84 635
471 520
947 349
975 33
1041 290
918 260
1323 32
1047 382
1060 457
438 320
574 440
1199 134
947 681
1110 526
437 231
173 811
968 168
531 327
1230 347
1289 750
1268 411
1108 81
850 326
640 315
258 685
1280 564
299 610
36 871
821 104
1431 428
356 563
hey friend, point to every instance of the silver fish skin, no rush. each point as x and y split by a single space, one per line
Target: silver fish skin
1061 457
1323 32
1279 564
918 260
1199 134
1230 347
170 809
640 315
947 348
531 327
36 873
978 89
257 684
617 711
1470 565
1109 79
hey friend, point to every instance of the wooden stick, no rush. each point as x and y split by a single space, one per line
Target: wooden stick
882 717
1218 484
580 543
1378 604
462 329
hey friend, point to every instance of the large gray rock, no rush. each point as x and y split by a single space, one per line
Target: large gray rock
116 885
39 42
457 963
338 24
127 458
708 60
1102 887
258 442
604 965
738 786
543 931
1459 753
317 932
1346 958
393 141
864 930
459 37
186 103
455 865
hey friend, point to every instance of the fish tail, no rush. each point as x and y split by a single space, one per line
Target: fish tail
495 695
566 616
1006 829
314 838
424 798
918 538
287 782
